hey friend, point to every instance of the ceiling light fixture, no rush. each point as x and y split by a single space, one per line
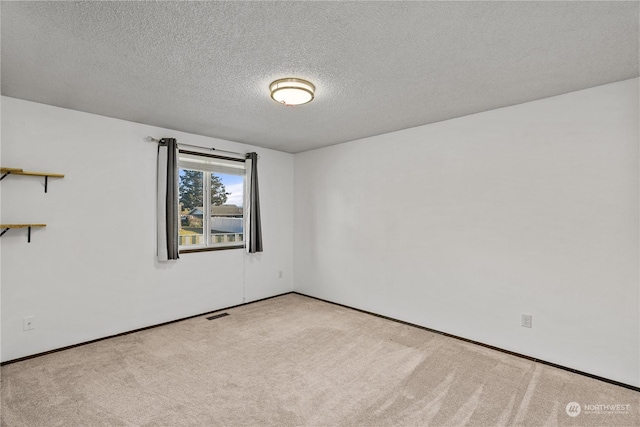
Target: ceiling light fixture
292 91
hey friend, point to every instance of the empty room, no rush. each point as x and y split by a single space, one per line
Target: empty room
319 213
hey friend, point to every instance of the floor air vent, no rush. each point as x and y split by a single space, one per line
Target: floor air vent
217 316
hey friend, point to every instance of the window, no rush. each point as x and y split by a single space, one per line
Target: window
211 198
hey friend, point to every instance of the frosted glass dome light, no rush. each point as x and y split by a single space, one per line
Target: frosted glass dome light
292 91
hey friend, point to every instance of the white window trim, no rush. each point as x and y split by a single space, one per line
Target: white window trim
206 217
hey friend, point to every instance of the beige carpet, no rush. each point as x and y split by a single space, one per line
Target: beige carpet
296 361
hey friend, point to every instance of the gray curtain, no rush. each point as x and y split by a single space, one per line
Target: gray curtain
255 227
167 206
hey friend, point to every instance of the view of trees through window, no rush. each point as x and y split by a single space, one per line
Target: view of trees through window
214 220
191 189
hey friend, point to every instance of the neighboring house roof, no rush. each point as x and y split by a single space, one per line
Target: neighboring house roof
223 210
226 210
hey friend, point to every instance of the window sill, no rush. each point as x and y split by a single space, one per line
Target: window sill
210 248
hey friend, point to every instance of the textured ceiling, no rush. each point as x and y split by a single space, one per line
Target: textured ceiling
205 67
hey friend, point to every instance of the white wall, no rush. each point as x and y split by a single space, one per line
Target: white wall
460 226
92 271
463 225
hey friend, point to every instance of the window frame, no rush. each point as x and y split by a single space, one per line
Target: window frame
206 216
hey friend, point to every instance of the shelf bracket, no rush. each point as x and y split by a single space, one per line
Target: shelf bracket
28 233
16 171
28 227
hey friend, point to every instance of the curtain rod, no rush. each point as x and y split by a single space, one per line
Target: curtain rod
152 139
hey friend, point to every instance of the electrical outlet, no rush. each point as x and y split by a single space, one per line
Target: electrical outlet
526 320
280 274
29 323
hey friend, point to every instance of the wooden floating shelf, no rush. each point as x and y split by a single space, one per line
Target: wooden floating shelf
51 175
16 171
7 227
21 225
